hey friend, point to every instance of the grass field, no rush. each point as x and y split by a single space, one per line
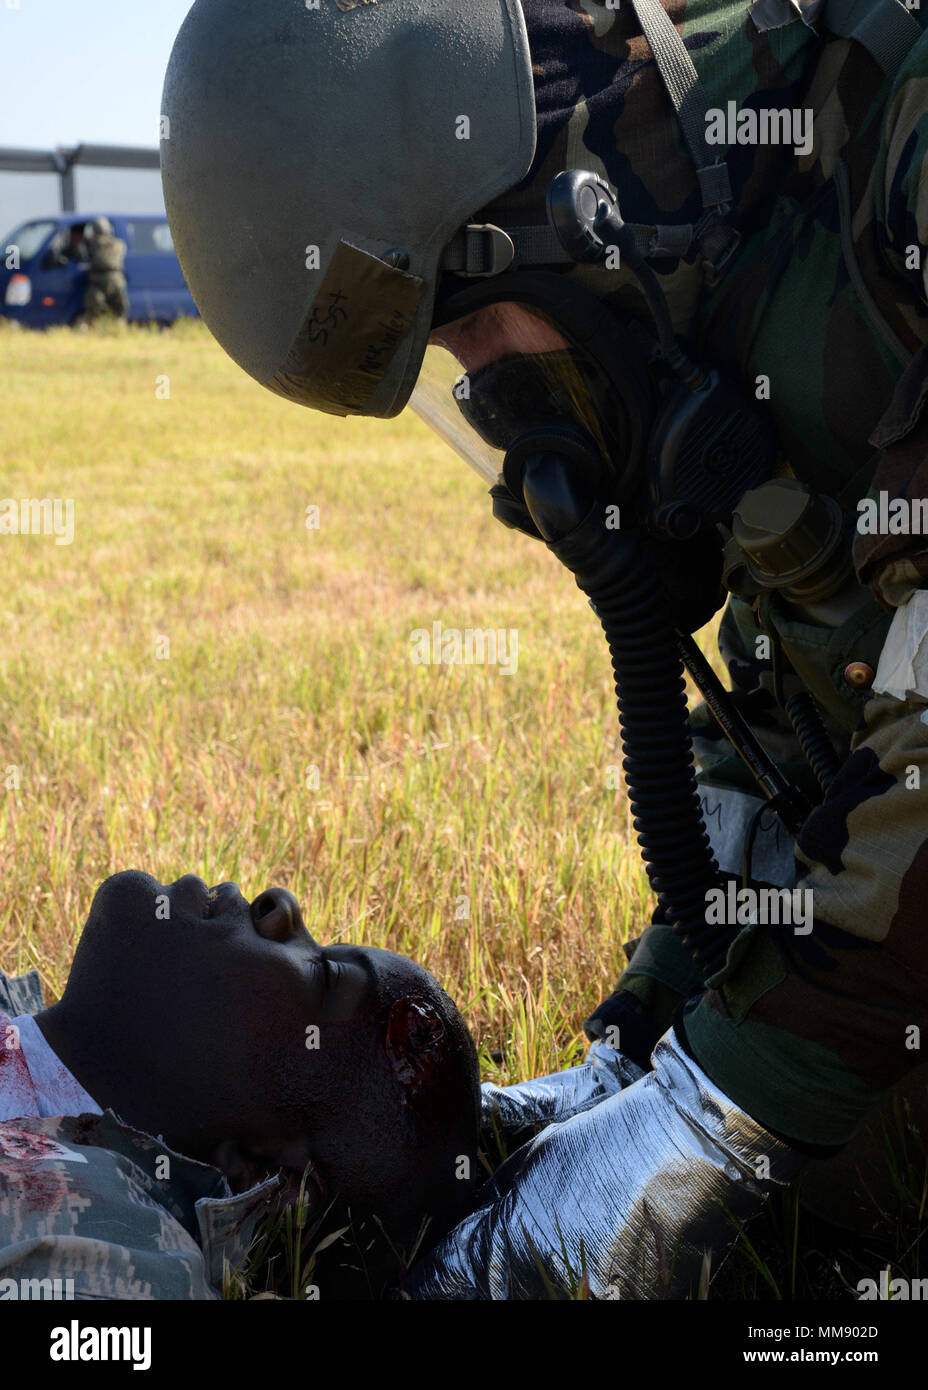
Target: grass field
289 649
200 683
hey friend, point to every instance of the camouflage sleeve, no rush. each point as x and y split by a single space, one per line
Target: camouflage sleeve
901 186
895 564
75 1219
810 1023
92 1209
21 994
815 1015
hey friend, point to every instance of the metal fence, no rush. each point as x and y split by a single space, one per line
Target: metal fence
92 178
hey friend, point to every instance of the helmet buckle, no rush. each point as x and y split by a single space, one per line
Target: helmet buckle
482 251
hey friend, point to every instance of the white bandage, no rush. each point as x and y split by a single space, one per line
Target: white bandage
904 659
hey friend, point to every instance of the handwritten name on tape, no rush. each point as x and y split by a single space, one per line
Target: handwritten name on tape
361 314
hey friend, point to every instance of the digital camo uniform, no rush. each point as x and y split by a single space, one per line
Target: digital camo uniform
106 290
73 1189
827 299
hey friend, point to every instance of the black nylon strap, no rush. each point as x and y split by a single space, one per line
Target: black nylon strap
482 249
478 249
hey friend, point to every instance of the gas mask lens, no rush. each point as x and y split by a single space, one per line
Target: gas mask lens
505 369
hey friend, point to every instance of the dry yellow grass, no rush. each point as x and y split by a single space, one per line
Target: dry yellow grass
289 649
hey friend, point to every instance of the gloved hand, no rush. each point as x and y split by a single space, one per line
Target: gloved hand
623 1016
629 1192
510 1115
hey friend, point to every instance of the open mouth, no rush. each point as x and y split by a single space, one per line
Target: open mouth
211 899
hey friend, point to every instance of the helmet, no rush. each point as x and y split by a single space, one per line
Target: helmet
311 228
335 171
101 226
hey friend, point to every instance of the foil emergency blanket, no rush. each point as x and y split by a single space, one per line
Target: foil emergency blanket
517 1112
623 1197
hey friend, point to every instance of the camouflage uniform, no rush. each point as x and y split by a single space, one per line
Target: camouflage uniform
107 293
68 1184
804 1032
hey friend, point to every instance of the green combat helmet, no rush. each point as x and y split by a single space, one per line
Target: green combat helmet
311 227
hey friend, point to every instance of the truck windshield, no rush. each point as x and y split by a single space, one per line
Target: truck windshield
27 238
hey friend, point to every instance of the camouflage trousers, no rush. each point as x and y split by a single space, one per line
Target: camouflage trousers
811 1021
106 296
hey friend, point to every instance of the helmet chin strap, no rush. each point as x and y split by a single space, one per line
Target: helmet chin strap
480 249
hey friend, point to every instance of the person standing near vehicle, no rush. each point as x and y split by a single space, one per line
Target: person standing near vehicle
107 295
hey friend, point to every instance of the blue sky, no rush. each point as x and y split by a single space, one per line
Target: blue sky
84 70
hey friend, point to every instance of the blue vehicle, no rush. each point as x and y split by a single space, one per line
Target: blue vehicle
43 281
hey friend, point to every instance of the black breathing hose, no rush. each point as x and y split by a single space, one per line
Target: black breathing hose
813 740
635 613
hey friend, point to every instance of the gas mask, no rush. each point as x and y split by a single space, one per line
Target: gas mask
502 362
531 362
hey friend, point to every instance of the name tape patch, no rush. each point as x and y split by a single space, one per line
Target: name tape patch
355 324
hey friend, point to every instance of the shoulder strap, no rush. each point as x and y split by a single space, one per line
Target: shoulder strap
688 96
885 28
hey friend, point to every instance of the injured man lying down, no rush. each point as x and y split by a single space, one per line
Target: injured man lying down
219 1106
210 1067
207 1059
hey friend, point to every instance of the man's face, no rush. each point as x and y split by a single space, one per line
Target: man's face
251 1045
494 332
490 376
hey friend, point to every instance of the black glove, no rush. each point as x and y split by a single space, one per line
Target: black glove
636 1034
